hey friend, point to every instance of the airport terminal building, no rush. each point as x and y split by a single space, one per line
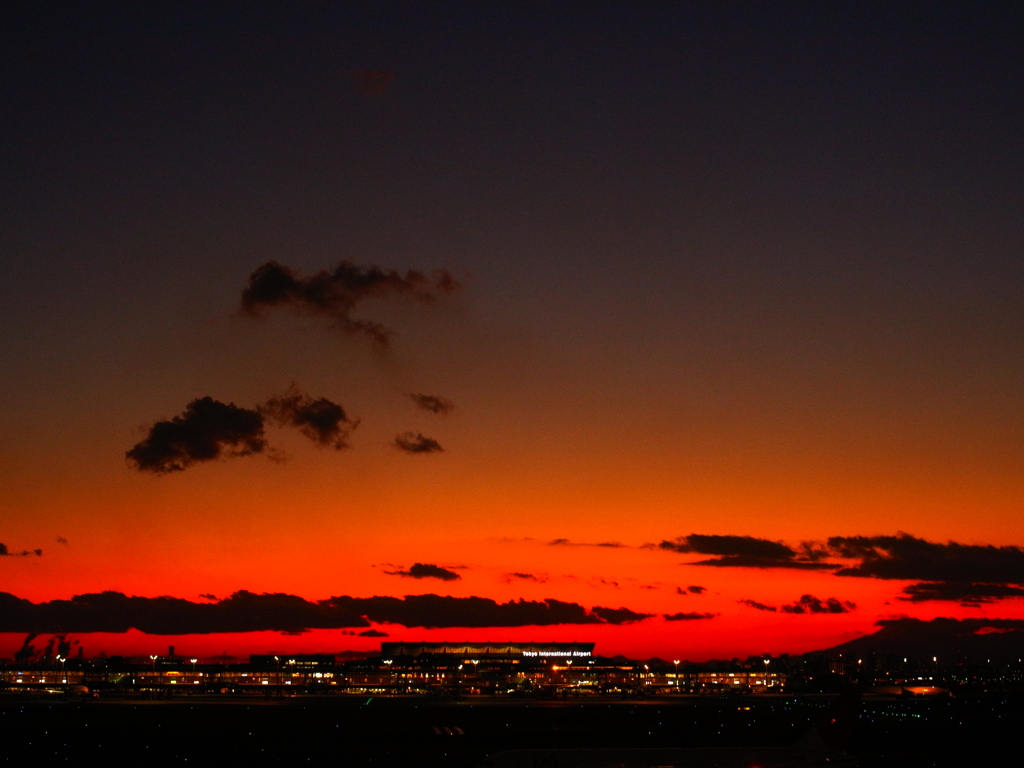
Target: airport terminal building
455 669
488 651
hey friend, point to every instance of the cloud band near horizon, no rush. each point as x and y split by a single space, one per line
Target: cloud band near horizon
966 573
247 611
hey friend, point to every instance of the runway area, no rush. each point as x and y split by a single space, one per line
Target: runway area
371 731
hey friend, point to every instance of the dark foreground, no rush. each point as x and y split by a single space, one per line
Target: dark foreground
343 731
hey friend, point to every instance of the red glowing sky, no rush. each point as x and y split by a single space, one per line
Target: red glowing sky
736 273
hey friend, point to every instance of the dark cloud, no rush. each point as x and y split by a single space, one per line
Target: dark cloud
811 604
619 615
433 611
206 431
426 571
747 552
959 627
433 403
27 649
372 633
335 294
693 589
884 557
414 442
806 604
568 543
321 420
967 573
116 612
208 596
61 540
688 616
757 606
429 611
729 546
907 557
973 594
5 552
749 561
508 578
814 551
209 430
249 612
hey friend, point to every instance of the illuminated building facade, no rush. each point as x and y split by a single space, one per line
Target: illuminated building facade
492 651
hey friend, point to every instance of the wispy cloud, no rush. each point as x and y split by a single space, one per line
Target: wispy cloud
415 442
757 606
747 552
811 604
693 589
689 616
561 542
433 403
959 592
619 615
335 293
513 576
5 552
806 604
321 420
426 571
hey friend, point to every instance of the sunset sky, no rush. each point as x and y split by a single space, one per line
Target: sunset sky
696 326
